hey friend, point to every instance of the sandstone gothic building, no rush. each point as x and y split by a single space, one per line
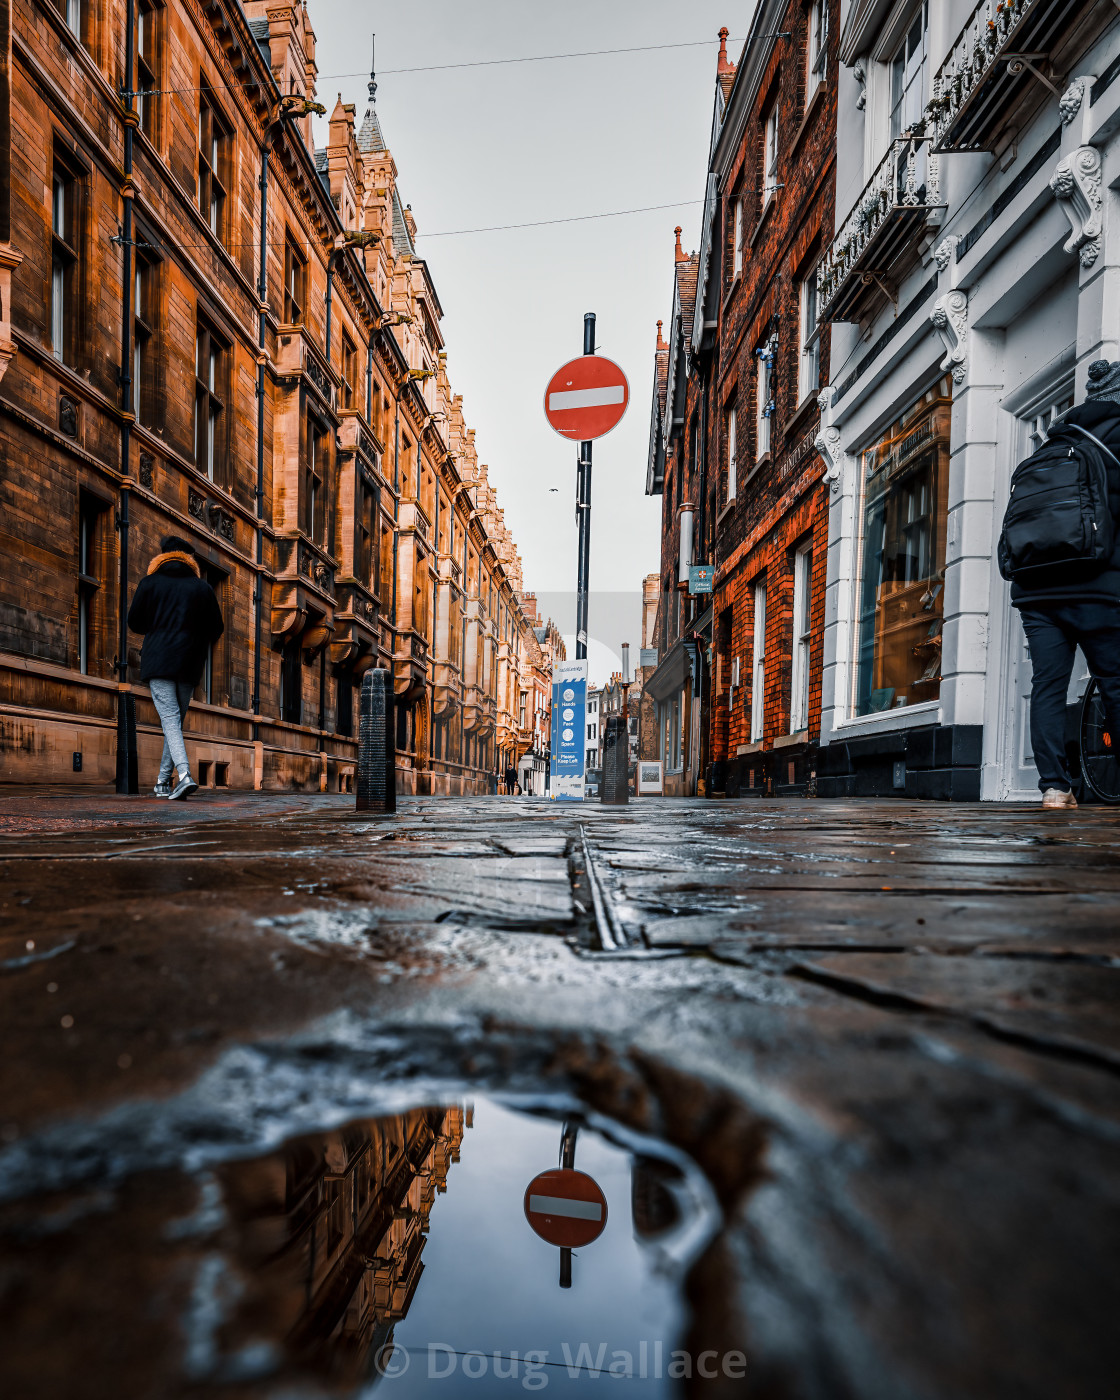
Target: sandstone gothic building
211 328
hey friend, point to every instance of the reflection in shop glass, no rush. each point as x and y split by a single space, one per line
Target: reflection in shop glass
900 585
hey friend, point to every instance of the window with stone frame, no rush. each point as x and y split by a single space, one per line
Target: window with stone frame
737 236
291 681
74 15
66 261
215 144
763 397
809 367
802 637
211 387
731 436
212 687
145 312
365 531
909 74
295 282
349 372
314 486
149 56
385 588
758 664
91 520
770 149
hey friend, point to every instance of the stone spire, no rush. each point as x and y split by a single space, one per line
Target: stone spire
723 66
681 255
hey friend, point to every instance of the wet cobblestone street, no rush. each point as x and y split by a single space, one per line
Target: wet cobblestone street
276 1076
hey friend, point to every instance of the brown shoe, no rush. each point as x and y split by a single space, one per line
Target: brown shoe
1056 797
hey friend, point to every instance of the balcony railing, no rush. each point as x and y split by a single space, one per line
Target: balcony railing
879 237
1001 56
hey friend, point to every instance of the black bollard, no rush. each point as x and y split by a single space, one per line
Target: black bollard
616 762
377 776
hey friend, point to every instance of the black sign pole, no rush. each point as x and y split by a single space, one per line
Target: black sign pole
583 507
571 1130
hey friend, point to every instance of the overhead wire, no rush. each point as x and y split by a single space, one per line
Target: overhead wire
470 63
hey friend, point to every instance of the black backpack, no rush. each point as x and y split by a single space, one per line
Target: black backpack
1058 524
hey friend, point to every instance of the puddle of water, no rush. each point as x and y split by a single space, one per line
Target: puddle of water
393 1253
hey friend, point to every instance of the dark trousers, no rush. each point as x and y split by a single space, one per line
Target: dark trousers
1053 635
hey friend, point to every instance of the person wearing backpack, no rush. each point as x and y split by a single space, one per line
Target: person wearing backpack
1060 548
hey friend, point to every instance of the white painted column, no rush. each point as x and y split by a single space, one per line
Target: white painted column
973 529
842 475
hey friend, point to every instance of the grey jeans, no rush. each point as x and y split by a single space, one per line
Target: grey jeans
171 699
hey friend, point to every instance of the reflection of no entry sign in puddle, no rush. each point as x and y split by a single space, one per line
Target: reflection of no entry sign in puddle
565 1207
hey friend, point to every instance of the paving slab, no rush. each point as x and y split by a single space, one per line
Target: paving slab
889 1040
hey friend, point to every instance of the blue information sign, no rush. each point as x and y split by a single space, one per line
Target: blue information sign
569 725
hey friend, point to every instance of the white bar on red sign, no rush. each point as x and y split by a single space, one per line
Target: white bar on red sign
587 398
562 1205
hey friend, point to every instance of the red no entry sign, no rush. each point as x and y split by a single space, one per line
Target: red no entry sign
586 398
566 1208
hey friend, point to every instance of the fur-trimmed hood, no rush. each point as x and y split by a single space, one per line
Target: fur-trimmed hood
174 556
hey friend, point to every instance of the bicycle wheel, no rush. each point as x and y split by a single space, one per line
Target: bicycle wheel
1100 748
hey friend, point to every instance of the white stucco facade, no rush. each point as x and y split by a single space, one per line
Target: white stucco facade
1006 287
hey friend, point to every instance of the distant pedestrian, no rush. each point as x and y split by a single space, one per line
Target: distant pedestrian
511 780
178 614
1061 549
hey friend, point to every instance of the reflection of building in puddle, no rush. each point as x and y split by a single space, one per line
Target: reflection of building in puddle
336 1224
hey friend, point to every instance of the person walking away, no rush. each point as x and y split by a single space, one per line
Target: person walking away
1075 601
511 780
175 610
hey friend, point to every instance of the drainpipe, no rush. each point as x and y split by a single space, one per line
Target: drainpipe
369 382
330 289
262 319
127 778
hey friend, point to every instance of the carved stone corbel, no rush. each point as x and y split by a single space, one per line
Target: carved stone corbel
1077 187
828 442
946 251
859 70
1069 104
950 320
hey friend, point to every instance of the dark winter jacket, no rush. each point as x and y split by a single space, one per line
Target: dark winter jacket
1102 419
179 616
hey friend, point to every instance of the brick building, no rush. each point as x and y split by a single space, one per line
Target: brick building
735 425
209 327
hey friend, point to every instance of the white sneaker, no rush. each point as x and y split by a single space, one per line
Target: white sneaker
1058 797
162 789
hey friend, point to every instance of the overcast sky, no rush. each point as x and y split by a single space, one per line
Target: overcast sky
519 142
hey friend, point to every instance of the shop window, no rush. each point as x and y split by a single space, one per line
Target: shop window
295 283
211 373
214 148
758 665
802 638
65 262
900 587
